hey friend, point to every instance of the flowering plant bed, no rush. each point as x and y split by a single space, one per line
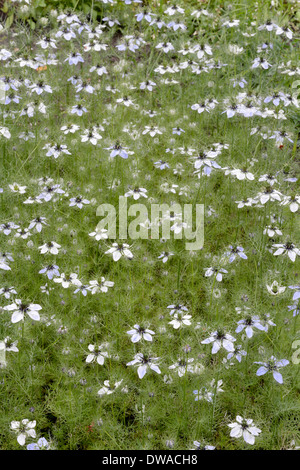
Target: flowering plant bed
150 242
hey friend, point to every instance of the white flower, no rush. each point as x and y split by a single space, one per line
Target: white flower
50 270
22 233
47 42
100 69
8 345
99 234
177 308
7 291
41 444
234 49
165 46
78 109
147 85
287 31
292 201
49 191
138 333
296 295
144 363
19 309
74 58
67 281
272 366
23 429
235 251
260 62
78 202
202 50
70 128
4 130
268 25
180 320
4 265
269 194
4 258
244 428
49 247
248 324
266 321
67 34
287 248
220 339
215 271
108 389
119 250
39 87
38 223
97 355
208 394
199 446
117 149
242 174
172 10
136 193
165 256
101 286
271 230
275 289
91 136
153 130
237 353
16 188
55 150
200 107
126 101
182 366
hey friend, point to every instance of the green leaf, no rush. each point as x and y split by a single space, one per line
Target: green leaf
32 24
86 8
5 8
9 21
40 3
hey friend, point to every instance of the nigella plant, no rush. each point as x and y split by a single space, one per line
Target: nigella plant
96 354
21 309
236 252
208 393
199 446
272 366
23 429
216 272
220 339
152 110
248 324
117 149
139 332
143 363
108 388
118 250
295 309
182 366
238 353
288 249
245 428
41 444
296 294
177 308
50 270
